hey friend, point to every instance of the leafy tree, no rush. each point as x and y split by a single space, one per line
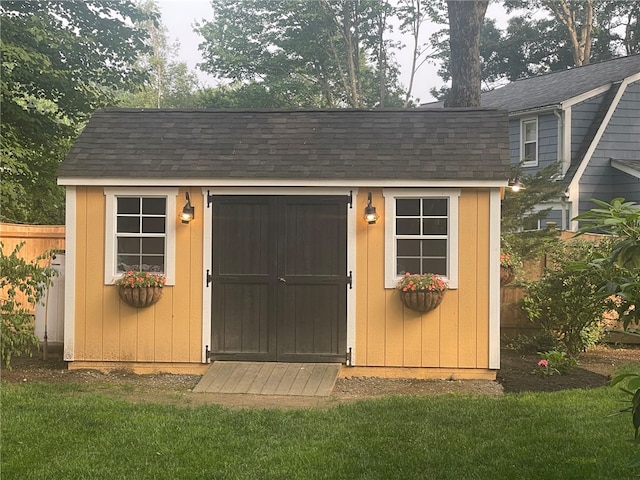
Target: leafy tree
171 84
31 279
60 61
412 15
326 53
518 213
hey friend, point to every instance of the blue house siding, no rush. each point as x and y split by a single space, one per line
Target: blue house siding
547 140
582 116
621 140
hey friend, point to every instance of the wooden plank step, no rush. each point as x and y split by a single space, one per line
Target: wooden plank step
269 378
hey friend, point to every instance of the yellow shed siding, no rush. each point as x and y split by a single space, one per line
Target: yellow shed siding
452 338
108 330
456 334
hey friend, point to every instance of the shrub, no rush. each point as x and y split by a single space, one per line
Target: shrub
565 301
17 275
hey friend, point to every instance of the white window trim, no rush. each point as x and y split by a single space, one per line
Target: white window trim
390 195
531 163
111 194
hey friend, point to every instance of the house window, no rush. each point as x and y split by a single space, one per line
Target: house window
421 234
140 233
529 142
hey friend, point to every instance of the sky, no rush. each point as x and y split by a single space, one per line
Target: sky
180 15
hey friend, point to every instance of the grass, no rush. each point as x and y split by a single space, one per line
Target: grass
60 431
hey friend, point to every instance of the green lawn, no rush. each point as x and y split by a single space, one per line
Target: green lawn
59 431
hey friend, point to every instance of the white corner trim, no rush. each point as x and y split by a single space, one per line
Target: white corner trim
585 96
603 127
494 280
574 199
206 265
352 219
70 274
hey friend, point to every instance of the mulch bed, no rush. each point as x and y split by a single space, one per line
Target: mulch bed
594 370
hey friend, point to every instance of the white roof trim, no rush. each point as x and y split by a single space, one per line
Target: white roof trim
269 182
585 96
603 127
625 168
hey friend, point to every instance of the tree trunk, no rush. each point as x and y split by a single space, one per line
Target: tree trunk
465 22
580 33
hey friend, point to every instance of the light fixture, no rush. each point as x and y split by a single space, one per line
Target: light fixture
370 214
515 184
188 211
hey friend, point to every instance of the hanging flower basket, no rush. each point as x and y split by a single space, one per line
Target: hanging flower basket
140 296
140 289
421 292
507 274
421 301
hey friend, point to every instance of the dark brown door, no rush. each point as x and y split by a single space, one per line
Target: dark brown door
279 278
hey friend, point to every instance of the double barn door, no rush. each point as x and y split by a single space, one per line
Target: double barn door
279 278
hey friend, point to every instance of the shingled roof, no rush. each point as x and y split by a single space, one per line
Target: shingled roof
299 144
553 88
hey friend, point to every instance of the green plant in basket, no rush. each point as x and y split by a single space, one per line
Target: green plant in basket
422 282
133 279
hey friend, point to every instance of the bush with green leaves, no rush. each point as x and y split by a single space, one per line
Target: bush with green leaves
565 301
31 279
621 220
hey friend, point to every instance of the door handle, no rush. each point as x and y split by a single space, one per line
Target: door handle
282 280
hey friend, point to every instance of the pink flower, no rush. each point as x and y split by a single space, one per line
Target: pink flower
543 363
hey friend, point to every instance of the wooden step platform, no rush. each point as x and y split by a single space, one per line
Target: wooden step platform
269 378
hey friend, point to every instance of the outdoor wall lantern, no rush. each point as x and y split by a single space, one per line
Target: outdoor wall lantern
515 184
370 214
188 211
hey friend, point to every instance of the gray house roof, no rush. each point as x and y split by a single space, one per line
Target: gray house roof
551 89
300 144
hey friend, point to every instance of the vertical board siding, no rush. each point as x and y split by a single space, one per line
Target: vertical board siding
107 329
456 334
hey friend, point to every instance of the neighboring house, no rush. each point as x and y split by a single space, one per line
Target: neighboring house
278 263
588 119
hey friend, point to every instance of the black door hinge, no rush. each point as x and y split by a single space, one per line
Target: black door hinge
350 202
347 358
350 279
209 277
209 198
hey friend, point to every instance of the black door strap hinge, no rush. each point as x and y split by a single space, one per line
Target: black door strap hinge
350 279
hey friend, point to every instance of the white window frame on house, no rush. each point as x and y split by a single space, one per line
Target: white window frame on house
390 256
524 142
111 214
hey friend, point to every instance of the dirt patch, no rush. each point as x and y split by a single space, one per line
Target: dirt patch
594 370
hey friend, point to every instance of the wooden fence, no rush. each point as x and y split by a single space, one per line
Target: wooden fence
38 239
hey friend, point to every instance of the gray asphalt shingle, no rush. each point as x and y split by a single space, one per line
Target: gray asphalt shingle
552 88
279 144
